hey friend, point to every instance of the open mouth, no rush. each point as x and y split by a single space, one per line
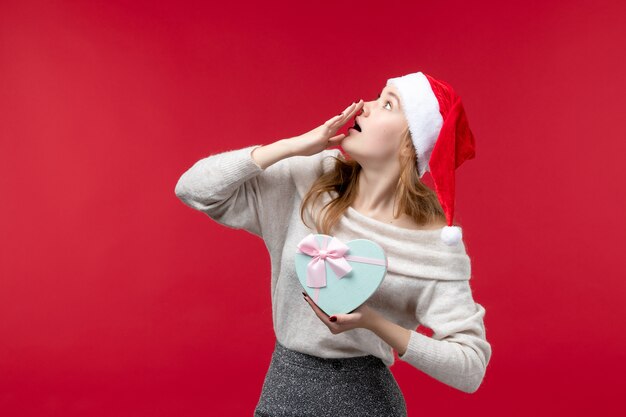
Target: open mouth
356 126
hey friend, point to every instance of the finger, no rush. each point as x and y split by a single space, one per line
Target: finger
344 114
335 140
322 316
315 308
358 106
350 111
336 120
349 108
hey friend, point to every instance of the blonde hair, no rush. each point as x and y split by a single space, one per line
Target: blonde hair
415 198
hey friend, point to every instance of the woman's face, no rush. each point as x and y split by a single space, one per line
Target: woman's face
382 123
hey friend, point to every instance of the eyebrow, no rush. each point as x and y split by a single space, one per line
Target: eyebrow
391 94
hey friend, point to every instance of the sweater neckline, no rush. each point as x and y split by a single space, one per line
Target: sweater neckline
393 228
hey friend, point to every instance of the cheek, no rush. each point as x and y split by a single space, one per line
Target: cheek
384 137
380 146
379 142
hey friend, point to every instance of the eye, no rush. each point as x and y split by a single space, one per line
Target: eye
386 102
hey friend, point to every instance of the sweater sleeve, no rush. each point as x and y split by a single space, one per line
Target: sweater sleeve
234 191
458 352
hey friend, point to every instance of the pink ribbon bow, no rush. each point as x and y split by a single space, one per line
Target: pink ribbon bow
332 251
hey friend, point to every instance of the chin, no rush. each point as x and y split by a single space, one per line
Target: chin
350 154
353 146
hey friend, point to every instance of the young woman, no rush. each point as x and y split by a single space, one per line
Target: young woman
283 191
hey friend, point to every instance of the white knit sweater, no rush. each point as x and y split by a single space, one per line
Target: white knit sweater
427 281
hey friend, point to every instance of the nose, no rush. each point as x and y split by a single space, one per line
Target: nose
366 107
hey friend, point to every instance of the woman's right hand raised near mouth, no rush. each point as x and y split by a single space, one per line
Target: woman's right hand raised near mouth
323 137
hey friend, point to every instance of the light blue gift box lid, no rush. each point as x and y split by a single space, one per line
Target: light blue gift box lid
345 294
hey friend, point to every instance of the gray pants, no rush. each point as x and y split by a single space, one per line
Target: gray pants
298 384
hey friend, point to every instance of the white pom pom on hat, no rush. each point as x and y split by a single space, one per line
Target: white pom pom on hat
441 136
451 235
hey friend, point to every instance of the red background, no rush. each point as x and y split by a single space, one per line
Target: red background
115 299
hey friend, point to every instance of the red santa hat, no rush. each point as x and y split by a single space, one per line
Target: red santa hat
441 136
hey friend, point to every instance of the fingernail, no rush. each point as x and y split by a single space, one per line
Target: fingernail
333 318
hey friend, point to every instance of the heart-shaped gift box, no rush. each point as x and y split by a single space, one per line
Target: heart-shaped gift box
338 276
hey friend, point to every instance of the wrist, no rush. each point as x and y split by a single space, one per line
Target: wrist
393 334
375 322
267 155
289 146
